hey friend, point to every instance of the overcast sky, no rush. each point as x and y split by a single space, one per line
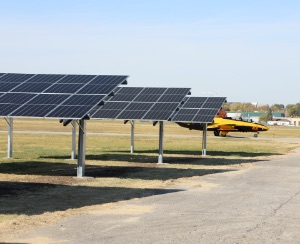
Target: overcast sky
247 51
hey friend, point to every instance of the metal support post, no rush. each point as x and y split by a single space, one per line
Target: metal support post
10 137
73 153
81 149
161 142
132 137
204 140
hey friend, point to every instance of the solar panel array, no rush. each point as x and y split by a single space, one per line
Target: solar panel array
75 96
141 103
199 109
54 96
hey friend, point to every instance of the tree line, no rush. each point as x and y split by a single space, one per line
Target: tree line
291 110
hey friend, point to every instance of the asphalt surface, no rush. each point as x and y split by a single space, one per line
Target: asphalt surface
260 204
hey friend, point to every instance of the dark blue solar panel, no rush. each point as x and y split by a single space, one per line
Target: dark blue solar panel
183 117
16 77
149 103
106 113
33 110
84 100
80 79
131 114
54 99
97 89
188 111
157 115
139 106
165 106
68 111
108 79
130 90
41 78
64 88
123 97
114 105
16 98
8 86
147 98
32 87
199 109
171 98
153 91
54 95
177 91
6 109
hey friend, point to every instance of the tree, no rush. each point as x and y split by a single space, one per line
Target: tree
277 107
266 117
293 110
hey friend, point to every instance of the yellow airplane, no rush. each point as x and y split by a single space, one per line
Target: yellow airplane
221 126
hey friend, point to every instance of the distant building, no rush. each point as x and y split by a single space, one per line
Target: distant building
252 116
295 121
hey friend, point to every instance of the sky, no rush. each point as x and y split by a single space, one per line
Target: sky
247 51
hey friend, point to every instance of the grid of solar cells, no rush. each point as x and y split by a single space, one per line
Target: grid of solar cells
199 109
54 96
138 103
15 77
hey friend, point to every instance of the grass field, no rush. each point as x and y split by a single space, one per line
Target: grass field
38 185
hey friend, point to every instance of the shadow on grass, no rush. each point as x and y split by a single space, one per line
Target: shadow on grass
37 198
142 172
142 157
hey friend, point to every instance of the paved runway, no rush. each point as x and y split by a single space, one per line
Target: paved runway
257 205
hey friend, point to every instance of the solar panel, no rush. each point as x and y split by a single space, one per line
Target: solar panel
32 110
109 80
177 91
84 100
32 87
54 96
16 98
76 79
106 113
147 98
130 90
40 78
65 111
199 109
8 108
131 114
8 86
140 103
62 88
123 97
15 77
97 89
54 99
153 90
